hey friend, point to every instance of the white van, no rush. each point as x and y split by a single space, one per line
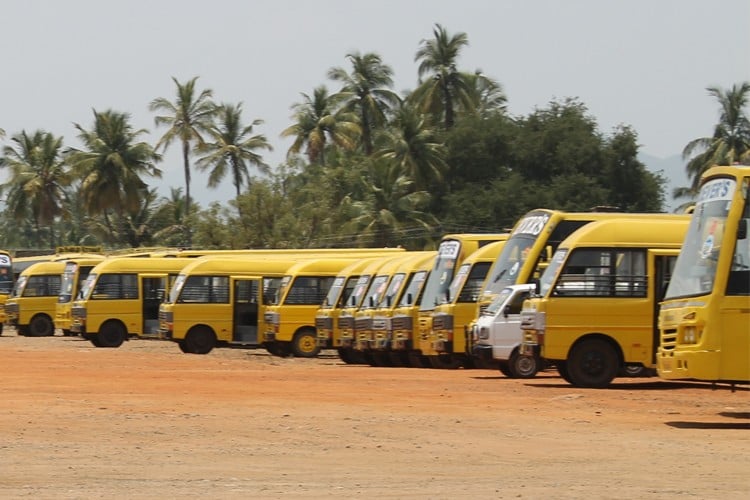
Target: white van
497 334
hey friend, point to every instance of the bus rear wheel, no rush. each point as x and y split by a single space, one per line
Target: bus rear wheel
111 334
305 344
593 363
41 326
199 340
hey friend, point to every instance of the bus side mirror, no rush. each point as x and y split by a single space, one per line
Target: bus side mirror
409 299
537 286
371 302
742 229
388 300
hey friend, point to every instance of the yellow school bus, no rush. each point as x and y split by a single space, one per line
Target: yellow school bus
73 276
6 283
30 308
121 296
289 321
339 296
704 320
218 301
401 299
370 279
448 340
382 290
452 251
595 311
533 240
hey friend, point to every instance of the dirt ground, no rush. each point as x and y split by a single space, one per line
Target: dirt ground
147 421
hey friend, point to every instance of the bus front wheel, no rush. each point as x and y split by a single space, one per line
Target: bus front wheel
305 344
199 340
593 363
111 334
41 326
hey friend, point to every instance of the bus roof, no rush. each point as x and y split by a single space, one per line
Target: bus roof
660 233
141 265
225 265
47 267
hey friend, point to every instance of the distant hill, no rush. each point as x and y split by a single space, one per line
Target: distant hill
673 169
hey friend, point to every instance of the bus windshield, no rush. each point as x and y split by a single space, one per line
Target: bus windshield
548 277
176 289
6 275
505 270
412 289
88 285
441 275
393 288
66 284
332 299
20 286
695 269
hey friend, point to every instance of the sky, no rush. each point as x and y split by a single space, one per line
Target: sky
641 63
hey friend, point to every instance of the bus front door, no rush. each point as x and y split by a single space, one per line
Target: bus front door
245 308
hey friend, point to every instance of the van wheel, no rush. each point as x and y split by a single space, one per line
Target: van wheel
593 363
305 344
41 326
523 366
199 340
111 334
504 368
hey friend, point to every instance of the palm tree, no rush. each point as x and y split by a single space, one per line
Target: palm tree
112 164
38 177
730 142
171 214
233 149
366 92
188 117
318 120
413 149
446 89
391 210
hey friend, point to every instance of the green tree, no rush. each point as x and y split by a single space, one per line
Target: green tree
392 212
318 120
112 165
445 89
730 141
187 119
413 148
233 149
37 181
366 91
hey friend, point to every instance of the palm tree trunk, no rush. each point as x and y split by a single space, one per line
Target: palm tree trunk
186 162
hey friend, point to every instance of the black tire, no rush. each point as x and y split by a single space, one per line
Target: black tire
399 359
280 349
417 360
504 368
348 356
634 371
523 366
41 326
593 363
381 359
562 369
111 334
305 344
199 340
446 361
